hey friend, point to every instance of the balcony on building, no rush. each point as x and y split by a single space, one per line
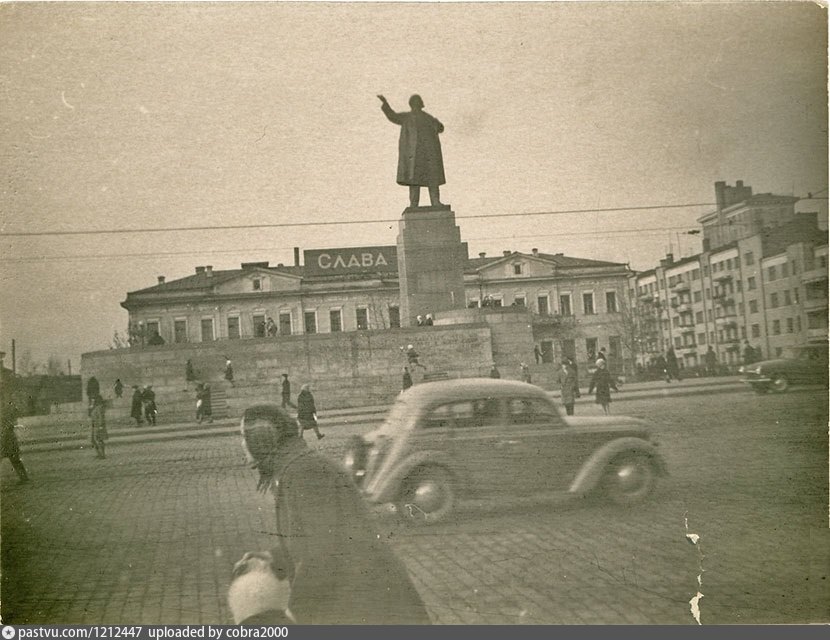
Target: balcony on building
814 275
814 304
818 333
723 277
680 285
726 320
724 300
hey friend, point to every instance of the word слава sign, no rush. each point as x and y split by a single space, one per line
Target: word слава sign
351 260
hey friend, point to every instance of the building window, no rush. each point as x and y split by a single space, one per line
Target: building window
697 296
773 301
395 316
743 332
591 347
776 327
565 304
709 314
207 329
542 305
588 304
701 338
741 308
798 323
678 341
257 284
362 316
518 301
739 286
749 258
233 327
259 324
785 270
756 330
180 330
285 323
472 304
614 344
517 269
790 325
795 296
729 264
753 306
695 274
771 273
672 280
152 328
611 302
712 337
699 317
750 283
787 300
794 267
335 320
705 270
708 294
310 321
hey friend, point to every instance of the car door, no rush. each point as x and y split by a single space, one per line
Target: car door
481 450
540 448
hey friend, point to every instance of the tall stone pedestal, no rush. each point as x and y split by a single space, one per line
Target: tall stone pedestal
431 259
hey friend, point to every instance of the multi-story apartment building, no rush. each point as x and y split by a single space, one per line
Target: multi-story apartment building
768 288
574 303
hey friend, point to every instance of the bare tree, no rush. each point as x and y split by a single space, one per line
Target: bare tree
54 366
119 341
638 324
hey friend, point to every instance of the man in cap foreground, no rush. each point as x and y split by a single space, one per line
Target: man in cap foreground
340 571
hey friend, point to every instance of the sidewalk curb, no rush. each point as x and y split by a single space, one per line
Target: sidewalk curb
186 431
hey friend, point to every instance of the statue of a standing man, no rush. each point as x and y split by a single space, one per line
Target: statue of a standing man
420 163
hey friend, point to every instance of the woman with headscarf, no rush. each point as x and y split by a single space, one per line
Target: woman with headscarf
307 412
339 568
97 410
602 381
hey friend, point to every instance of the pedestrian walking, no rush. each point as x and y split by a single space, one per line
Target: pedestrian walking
412 357
9 413
525 372
307 411
601 355
569 387
710 359
494 371
537 353
672 368
229 371
148 397
137 406
602 381
407 379
286 392
341 571
97 415
118 388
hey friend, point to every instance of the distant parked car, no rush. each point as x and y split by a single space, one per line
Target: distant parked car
806 364
486 438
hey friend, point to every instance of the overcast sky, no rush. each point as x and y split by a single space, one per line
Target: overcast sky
155 115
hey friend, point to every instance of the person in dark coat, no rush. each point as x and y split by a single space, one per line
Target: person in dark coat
420 161
286 392
494 372
537 353
97 415
672 368
569 387
307 411
137 406
148 396
229 371
341 571
189 373
407 379
749 353
710 359
93 389
119 388
9 445
602 381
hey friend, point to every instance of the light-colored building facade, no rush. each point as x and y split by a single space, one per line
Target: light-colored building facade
768 288
574 304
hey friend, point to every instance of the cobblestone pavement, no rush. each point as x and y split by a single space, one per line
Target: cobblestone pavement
149 535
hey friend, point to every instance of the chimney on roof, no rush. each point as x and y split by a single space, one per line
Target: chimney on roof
296 256
506 253
200 270
209 270
535 252
161 279
482 254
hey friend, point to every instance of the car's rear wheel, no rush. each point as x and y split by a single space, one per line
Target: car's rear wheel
780 384
630 479
428 495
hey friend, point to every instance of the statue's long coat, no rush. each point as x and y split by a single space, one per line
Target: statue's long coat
420 162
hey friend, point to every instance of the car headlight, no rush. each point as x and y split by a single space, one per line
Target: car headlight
741 369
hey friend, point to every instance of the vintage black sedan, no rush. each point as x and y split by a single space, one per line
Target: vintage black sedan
481 438
806 364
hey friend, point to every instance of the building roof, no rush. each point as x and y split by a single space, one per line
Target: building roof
202 280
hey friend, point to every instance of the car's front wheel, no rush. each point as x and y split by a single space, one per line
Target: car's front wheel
630 479
428 495
780 384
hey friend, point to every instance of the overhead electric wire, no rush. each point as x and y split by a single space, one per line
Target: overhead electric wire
281 225
101 256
